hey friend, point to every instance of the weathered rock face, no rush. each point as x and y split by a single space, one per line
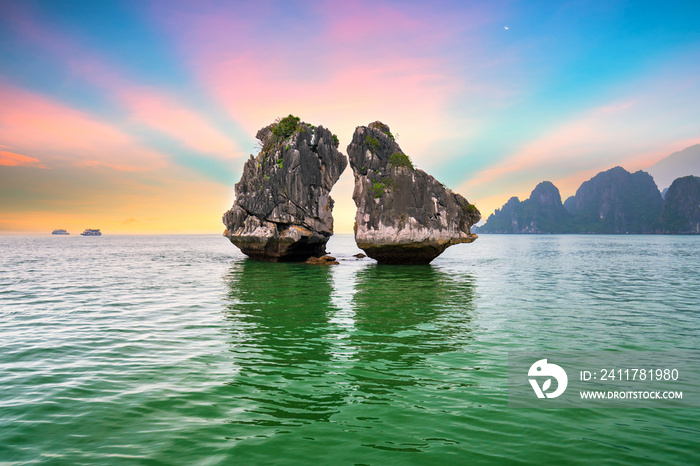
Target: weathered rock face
282 210
404 215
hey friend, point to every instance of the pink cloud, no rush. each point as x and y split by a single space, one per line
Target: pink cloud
569 141
353 22
65 135
353 63
166 115
10 159
652 118
147 106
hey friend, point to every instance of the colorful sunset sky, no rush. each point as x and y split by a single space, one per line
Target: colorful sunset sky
137 116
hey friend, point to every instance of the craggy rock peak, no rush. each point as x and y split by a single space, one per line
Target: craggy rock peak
282 210
612 202
404 215
543 212
616 202
681 211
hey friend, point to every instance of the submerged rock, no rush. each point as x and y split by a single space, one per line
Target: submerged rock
404 215
323 260
282 210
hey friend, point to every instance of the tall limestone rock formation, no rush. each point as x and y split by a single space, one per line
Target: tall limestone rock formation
681 211
404 215
282 210
543 212
616 201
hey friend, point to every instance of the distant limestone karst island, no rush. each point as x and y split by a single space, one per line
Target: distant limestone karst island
612 202
282 210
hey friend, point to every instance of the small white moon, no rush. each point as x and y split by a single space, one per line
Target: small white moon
506 27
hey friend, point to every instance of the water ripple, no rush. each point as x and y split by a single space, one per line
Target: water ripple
177 349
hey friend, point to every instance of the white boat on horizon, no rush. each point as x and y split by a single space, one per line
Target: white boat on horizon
60 232
91 232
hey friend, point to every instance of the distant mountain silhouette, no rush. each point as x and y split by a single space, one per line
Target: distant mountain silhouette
616 201
543 212
679 164
612 202
681 212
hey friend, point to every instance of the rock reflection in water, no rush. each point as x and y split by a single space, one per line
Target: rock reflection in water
286 335
279 321
403 314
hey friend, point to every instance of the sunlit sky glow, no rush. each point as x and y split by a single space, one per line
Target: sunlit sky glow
137 117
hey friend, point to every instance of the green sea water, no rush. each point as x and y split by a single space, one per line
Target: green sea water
179 350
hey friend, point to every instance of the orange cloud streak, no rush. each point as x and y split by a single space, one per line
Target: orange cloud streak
625 132
40 125
149 107
570 141
10 159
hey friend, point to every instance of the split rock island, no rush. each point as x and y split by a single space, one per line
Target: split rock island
404 215
282 210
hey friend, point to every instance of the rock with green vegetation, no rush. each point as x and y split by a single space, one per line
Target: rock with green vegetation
681 211
282 210
404 215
